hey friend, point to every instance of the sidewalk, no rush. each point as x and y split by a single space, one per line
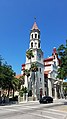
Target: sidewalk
58 101
55 102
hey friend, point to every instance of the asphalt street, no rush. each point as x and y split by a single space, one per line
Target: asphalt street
34 110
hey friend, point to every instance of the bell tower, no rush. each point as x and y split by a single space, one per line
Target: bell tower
34 45
35 37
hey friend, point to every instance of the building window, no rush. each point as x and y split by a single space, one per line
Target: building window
35 35
38 36
55 63
38 45
32 45
32 35
45 85
40 79
40 70
54 57
35 44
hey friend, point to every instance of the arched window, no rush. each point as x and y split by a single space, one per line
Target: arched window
35 35
31 44
38 36
40 70
40 79
35 44
38 45
32 35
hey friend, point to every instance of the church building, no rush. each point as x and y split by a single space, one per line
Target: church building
36 86
43 81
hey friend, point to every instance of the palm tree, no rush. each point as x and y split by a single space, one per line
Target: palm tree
8 82
62 70
34 69
14 83
29 54
21 81
27 73
8 76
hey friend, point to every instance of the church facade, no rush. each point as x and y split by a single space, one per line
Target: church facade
43 81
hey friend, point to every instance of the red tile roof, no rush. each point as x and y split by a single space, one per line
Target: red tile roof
48 59
18 76
34 26
46 72
47 65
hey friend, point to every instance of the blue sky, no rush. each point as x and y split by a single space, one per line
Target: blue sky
16 20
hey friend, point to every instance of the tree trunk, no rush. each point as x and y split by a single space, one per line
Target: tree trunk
8 92
13 92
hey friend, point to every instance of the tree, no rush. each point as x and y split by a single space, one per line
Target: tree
9 82
14 84
23 90
7 77
21 81
0 61
65 87
27 73
29 54
34 69
1 71
62 52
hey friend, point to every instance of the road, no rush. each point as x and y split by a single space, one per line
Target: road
34 110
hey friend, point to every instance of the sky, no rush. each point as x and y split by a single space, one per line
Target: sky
16 21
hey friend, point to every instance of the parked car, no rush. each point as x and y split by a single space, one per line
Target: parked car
46 99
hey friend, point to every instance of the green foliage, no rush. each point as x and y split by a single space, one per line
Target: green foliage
65 86
34 67
15 83
62 52
27 72
29 54
65 89
23 90
7 77
21 93
21 81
